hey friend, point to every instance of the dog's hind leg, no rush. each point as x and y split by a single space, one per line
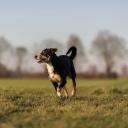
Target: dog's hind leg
74 87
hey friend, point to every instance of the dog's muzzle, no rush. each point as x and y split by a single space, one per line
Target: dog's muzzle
41 59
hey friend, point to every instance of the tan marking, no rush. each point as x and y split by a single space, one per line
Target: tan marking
74 88
56 77
66 92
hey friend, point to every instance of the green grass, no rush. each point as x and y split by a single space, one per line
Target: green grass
26 103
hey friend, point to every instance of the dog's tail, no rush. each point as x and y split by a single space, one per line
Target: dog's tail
73 51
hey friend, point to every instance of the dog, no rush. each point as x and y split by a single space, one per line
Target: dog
59 68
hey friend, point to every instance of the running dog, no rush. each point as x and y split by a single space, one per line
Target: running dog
59 67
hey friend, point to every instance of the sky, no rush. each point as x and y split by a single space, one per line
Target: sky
24 22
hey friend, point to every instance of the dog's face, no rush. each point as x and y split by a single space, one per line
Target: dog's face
46 55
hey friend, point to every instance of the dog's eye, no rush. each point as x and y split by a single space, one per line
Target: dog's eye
47 55
42 53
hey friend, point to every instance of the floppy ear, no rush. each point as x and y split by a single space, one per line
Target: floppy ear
54 50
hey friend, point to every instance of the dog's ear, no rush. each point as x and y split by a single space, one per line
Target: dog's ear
53 50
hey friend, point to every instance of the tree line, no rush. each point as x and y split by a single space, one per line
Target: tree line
105 57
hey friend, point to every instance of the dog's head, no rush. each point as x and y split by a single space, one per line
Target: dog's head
46 55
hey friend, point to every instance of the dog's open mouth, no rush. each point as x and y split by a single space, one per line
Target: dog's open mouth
39 61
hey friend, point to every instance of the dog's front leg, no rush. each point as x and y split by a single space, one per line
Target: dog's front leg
65 91
62 85
59 92
57 88
55 85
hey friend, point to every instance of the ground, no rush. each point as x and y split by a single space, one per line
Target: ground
32 103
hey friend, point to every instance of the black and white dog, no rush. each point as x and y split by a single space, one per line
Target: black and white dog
59 67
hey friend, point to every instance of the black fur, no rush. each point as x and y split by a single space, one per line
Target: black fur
63 65
74 52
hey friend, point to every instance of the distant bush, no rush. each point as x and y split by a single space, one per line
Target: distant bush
4 72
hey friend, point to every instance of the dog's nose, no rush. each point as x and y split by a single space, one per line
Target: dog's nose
35 56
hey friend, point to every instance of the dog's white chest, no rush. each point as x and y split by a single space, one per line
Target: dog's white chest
53 76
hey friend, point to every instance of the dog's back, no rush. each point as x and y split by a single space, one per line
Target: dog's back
64 63
68 66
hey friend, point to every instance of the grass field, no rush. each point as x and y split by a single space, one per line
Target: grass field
33 104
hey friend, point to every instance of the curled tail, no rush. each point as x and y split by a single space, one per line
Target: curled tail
73 51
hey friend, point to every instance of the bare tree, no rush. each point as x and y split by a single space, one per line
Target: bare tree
110 48
48 43
74 40
21 52
93 70
124 70
4 45
51 43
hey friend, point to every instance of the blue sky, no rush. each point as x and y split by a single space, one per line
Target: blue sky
24 22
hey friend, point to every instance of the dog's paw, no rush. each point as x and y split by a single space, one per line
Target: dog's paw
73 93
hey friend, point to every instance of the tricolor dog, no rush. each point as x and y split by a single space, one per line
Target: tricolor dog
59 68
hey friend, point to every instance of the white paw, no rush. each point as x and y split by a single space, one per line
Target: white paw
58 94
73 93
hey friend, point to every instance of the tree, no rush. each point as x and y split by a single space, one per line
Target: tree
4 45
5 50
51 43
21 52
74 40
109 47
124 70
